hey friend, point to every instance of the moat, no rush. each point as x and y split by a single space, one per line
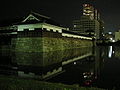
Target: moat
89 67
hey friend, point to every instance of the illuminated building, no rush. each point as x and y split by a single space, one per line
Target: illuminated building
88 10
117 35
86 26
109 36
101 29
89 23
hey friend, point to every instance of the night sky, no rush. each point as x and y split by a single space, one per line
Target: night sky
63 11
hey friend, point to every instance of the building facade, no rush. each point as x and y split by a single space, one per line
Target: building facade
117 35
86 26
38 33
89 23
88 10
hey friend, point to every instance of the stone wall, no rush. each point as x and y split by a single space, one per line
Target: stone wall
45 41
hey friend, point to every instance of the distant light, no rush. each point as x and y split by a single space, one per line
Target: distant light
113 40
74 25
84 14
110 52
92 73
67 29
85 76
86 4
83 73
113 52
87 14
74 63
109 32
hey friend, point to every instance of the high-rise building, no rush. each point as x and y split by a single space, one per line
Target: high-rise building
88 10
96 14
86 26
89 23
101 29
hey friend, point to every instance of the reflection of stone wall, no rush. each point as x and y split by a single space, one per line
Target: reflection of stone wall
47 58
72 53
50 58
46 41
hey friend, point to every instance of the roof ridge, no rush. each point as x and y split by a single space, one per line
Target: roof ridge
40 15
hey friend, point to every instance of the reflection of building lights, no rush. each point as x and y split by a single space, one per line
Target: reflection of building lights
95 77
92 73
74 25
83 73
88 74
110 52
89 78
85 5
74 63
113 40
103 60
113 51
109 32
85 76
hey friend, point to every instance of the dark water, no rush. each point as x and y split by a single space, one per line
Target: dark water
98 66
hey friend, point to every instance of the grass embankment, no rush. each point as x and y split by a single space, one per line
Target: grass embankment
15 83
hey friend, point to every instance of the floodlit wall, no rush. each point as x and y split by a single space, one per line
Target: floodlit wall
42 40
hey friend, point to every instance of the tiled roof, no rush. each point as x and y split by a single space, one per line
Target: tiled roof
40 19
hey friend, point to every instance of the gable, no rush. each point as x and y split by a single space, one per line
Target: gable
31 18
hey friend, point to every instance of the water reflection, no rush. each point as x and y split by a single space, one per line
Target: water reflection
88 71
97 66
39 65
88 78
109 64
110 52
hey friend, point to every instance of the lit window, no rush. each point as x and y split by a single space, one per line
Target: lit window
74 25
109 32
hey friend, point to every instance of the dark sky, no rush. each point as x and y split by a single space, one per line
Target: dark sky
63 11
